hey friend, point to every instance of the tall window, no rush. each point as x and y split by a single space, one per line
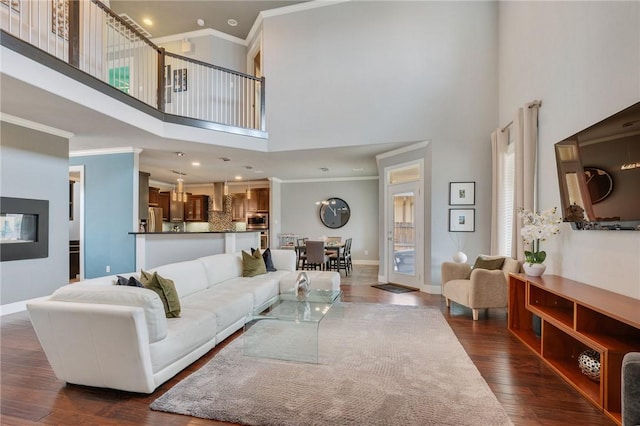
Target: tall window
506 200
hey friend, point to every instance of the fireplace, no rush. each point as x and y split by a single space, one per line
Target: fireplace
24 228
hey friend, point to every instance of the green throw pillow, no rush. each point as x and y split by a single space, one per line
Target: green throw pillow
253 265
166 289
490 264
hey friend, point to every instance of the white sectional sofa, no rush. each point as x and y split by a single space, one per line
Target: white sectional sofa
99 334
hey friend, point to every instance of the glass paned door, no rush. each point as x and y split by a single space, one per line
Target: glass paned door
402 235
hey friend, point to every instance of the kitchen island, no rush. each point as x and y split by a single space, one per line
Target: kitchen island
160 248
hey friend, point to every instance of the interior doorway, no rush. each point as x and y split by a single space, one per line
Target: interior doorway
254 67
76 223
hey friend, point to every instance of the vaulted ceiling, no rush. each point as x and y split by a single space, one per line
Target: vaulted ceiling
176 17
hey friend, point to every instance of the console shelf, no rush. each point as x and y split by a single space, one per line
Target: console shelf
576 317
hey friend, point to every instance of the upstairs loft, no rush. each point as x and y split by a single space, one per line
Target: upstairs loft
86 41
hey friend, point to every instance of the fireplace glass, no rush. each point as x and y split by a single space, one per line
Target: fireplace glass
18 228
24 228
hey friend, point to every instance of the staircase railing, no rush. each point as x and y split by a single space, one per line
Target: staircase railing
91 37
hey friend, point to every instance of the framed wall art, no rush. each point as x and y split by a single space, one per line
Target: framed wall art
462 220
167 84
462 193
180 80
60 18
14 4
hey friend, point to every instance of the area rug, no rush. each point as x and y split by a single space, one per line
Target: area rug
394 288
378 365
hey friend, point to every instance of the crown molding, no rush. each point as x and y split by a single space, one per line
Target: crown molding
35 126
199 33
105 151
402 150
255 28
300 7
338 179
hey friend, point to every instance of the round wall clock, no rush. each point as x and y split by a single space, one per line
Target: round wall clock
335 213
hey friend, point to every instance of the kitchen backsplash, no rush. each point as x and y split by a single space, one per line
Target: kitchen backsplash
221 221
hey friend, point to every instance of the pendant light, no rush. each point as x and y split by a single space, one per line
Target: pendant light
225 189
248 183
178 194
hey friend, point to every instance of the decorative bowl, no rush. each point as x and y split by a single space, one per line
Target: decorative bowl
589 363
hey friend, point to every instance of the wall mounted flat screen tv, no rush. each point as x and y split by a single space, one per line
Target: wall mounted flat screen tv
599 173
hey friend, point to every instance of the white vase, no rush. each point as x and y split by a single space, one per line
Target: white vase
460 257
534 269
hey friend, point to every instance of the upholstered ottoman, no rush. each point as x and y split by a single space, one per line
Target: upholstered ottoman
325 280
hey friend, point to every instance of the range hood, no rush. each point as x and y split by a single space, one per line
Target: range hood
218 197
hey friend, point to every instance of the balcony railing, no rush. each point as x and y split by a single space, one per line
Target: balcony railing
92 38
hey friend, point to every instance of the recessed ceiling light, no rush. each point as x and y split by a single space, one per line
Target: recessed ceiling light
200 22
195 163
147 21
238 177
232 22
180 154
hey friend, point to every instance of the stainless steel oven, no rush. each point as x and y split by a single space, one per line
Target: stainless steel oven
257 221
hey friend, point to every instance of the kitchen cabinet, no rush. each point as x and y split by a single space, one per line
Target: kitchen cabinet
163 203
238 211
143 197
259 201
71 183
196 209
74 259
154 196
172 211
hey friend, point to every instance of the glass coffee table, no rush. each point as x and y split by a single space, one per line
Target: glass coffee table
286 328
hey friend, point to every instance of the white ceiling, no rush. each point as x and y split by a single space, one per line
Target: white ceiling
176 17
93 130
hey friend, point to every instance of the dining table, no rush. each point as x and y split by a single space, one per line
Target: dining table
329 246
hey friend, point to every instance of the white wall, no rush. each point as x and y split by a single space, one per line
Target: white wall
300 214
373 72
582 59
212 50
35 165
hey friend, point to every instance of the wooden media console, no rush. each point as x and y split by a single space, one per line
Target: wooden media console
576 317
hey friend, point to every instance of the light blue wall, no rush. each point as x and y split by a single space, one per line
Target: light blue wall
109 183
35 165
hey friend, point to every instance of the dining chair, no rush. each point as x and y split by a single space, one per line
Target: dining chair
301 254
315 256
344 259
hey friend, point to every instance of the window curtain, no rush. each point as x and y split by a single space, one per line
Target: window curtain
499 146
525 139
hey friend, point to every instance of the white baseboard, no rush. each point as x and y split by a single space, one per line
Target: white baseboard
431 289
365 262
12 308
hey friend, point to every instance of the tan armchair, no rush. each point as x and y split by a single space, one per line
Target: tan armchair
477 288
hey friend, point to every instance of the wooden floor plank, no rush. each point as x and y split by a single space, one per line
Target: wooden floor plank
531 392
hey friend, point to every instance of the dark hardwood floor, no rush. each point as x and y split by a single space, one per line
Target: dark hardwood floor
531 393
